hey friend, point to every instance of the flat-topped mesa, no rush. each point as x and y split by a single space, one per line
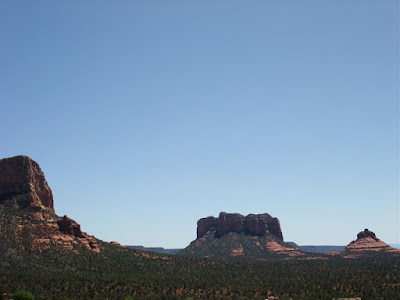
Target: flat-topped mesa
254 225
22 184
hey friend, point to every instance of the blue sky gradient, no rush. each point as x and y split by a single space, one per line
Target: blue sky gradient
148 115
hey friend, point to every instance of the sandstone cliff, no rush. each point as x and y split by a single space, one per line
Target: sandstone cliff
22 184
257 237
253 225
26 201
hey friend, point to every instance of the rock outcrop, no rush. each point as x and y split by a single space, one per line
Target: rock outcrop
69 226
22 184
117 244
253 225
367 241
366 234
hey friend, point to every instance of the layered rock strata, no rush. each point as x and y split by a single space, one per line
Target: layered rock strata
367 241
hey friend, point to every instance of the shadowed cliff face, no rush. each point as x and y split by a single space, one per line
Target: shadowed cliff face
22 184
254 225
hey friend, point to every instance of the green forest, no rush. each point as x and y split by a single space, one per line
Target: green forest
117 273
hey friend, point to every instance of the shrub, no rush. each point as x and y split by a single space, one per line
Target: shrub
23 295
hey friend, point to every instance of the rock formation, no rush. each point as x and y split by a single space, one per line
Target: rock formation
254 225
22 184
365 234
69 226
117 244
256 237
367 241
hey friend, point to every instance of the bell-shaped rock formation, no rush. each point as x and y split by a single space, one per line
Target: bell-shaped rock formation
367 241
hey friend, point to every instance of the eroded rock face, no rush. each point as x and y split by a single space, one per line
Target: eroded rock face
366 233
254 225
69 226
206 224
22 184
261 224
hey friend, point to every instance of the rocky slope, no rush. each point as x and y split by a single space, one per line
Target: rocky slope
27 214
235 236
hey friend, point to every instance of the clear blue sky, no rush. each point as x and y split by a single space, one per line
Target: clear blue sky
148 115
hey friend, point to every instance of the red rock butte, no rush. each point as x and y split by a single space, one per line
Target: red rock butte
22 184
254 225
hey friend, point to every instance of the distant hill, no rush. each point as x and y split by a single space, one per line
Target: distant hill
318 248
155 249
321 248
326 248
